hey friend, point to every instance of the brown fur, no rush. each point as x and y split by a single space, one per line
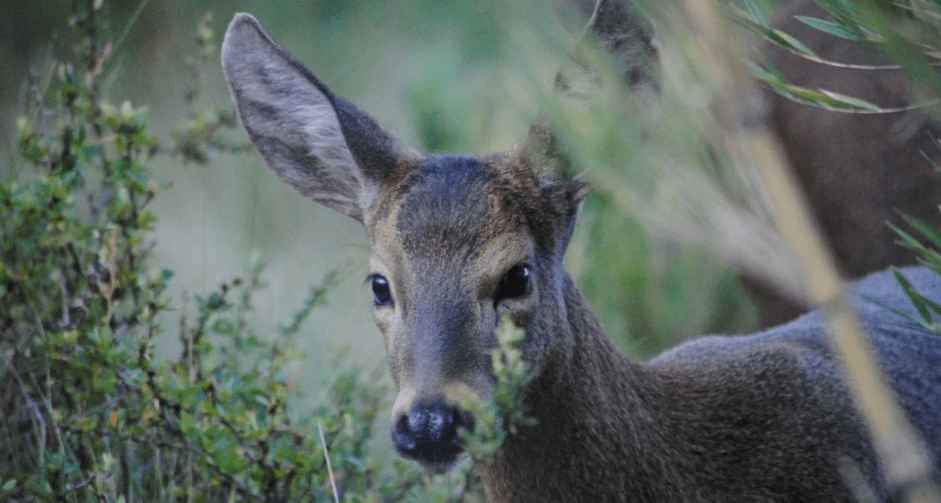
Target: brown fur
759 418
614 430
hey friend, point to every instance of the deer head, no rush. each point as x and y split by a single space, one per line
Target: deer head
457 241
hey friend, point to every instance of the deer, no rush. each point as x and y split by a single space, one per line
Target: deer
459 242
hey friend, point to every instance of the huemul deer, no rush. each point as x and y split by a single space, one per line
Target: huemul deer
460 241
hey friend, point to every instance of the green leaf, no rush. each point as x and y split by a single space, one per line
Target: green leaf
767 71
851 101
757 13
928 256
825 99
907 240
930 233
897 312
775 36
923 305
832 28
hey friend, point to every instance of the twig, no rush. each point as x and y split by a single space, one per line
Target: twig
326 456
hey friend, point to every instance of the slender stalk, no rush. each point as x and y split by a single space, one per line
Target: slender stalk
326 455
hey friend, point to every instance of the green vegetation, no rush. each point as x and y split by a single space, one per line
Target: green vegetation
927 245
89 412
503 413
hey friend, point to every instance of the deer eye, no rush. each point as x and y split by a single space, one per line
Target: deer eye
515 283
380 288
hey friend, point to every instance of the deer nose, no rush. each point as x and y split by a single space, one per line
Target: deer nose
429 433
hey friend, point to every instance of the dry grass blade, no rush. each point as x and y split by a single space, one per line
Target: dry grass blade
326 455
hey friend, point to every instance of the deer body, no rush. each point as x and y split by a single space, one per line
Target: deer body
460 241
755 418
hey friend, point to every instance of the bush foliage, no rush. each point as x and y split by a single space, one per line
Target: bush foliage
87 411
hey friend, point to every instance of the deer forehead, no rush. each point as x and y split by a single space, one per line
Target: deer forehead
459 216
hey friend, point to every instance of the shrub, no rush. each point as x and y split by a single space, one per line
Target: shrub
88 412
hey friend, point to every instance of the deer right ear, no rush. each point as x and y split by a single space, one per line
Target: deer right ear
312 139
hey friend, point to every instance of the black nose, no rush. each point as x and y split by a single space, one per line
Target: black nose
429 433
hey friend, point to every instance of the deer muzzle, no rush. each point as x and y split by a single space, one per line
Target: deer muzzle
430 433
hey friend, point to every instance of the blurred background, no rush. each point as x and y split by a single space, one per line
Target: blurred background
442 76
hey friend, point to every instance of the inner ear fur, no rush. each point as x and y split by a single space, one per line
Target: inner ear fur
315 141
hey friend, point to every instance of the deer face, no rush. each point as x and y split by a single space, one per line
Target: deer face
454 249
457 241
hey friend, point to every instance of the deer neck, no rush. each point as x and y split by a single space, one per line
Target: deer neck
600 420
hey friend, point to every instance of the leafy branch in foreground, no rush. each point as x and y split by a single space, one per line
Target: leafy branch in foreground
928 251
503 412
907 31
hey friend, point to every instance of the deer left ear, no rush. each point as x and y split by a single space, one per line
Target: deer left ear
315 141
